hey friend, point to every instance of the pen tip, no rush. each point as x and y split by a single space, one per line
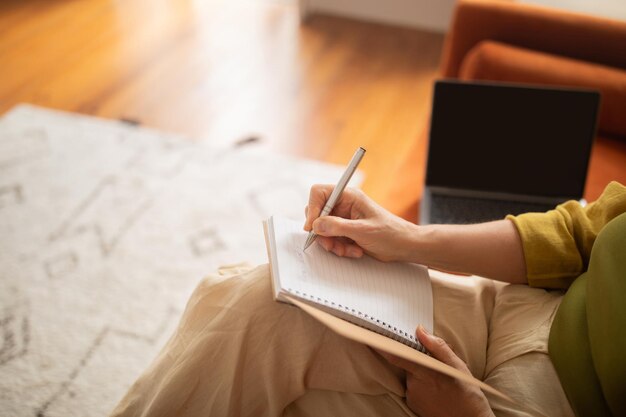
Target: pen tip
308 242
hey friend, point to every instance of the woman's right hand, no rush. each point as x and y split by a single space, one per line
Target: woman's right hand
358 225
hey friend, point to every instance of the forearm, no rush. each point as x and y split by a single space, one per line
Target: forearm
492 250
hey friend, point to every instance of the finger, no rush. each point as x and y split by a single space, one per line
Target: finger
318 196
325 242
306 215
353 250
340 246
346 203
320 193
438 348
348 250
336 226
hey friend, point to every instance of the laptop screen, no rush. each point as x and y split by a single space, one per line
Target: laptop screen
511 139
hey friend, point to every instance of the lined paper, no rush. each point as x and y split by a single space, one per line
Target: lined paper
397 294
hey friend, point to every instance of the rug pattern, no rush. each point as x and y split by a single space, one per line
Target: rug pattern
105 229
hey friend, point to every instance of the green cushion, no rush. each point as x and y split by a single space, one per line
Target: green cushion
571 353
606 312
587 342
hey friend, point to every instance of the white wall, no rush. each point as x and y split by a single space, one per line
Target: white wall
431 15
614 9
435 15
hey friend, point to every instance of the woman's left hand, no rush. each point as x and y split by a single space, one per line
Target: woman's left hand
430 393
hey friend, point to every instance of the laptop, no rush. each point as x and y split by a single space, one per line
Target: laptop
497 149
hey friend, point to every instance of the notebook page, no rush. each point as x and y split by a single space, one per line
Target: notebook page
398 294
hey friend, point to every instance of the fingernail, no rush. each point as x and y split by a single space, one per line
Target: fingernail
423 330
352 252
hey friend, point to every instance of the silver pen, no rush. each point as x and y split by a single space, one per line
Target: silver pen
334 196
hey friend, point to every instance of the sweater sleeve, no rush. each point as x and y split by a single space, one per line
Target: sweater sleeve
557 244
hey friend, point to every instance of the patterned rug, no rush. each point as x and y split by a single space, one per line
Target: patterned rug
105 229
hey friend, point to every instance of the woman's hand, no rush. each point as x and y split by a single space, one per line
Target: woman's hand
430 393
357 225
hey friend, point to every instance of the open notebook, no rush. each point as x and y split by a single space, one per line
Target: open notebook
391 299
370 302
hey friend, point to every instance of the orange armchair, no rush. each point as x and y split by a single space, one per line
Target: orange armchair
513 42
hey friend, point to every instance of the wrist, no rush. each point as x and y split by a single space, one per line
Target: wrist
427 246
412 243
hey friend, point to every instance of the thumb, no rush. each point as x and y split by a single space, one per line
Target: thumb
438 348
335 226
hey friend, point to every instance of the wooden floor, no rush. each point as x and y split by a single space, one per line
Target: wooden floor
224 70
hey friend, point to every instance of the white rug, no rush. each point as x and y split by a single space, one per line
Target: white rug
105 229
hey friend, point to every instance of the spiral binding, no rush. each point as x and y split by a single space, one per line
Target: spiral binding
361 319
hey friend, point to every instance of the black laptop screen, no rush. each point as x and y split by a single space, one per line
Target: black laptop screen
512 139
